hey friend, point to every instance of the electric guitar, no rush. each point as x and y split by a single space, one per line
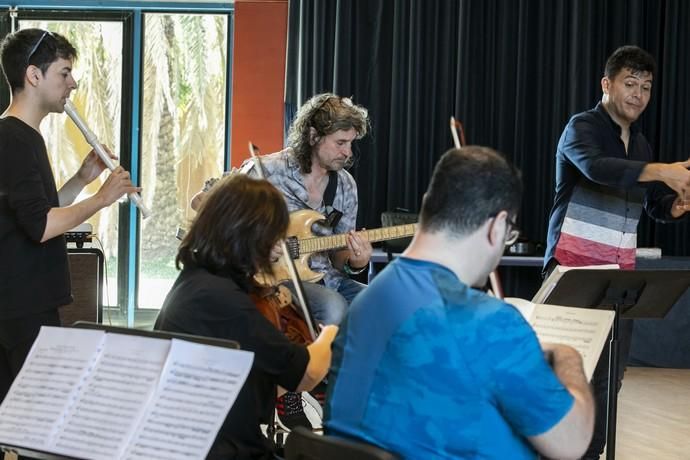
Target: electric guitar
301 243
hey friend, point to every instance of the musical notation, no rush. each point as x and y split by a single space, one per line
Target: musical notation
84 393
194 395
46 386
116 391
584 329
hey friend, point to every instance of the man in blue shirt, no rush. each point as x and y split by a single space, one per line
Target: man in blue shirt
427 367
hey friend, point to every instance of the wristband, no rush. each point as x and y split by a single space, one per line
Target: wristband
347 268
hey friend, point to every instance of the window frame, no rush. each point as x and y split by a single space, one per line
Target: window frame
131 15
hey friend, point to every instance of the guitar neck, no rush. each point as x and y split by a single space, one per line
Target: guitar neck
326 243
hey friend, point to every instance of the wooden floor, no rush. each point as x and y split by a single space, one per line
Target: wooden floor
653 415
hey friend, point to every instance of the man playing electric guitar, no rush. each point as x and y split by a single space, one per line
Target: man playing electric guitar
311 174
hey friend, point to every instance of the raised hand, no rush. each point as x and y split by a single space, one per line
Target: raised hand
116 185
93 166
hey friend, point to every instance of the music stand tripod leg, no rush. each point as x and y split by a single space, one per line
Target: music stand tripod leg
612 403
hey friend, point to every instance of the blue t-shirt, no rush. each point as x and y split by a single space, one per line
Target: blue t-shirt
427 367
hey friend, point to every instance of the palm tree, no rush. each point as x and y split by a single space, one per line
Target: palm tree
183 119
98 100
203 108
184 122
157 233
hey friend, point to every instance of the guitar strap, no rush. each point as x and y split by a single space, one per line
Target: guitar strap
329 193
332 215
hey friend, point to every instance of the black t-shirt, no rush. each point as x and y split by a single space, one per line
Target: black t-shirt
34 276
205 304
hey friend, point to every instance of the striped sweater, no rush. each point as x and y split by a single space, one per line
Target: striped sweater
598 200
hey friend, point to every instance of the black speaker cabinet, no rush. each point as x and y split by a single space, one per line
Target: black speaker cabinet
86 270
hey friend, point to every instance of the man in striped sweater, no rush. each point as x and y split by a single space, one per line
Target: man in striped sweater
605 177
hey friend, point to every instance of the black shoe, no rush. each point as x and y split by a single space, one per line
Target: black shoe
290 412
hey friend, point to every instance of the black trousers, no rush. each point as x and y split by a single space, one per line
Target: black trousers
17 335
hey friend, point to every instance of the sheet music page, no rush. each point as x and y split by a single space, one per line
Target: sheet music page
197 388
525 307
53 373
584 329
550 282
105 413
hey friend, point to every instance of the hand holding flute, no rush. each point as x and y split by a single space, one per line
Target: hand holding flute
118 183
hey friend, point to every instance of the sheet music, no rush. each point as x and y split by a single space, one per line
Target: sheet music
525 307
90 394
198 386
113 397
584 329
47 384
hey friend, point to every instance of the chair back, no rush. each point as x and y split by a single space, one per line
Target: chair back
303 444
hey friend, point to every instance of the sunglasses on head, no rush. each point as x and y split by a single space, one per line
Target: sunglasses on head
38 43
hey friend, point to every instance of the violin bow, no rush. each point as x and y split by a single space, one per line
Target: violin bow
455 128
253 150
458 141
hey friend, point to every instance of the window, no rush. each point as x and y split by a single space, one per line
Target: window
98 71
183 133
153 86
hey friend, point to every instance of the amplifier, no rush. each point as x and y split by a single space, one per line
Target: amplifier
86 271
80 234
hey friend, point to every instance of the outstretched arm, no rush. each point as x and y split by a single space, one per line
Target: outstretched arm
675 175
661 202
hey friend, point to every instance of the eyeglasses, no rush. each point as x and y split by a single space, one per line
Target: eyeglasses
512 232
38 43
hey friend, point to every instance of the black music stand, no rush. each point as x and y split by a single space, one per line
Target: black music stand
640 294
42 455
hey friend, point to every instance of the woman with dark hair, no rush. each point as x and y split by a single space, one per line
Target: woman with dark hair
234 236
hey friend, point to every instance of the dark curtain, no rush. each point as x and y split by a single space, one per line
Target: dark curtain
513 71
5 28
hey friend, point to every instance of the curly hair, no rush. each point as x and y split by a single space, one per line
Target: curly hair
235 229
326 113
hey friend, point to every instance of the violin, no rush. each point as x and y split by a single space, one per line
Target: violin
302 305
276 305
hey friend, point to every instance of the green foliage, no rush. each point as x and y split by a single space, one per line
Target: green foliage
183 120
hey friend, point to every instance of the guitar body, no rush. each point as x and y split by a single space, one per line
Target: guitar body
302 243
299 229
